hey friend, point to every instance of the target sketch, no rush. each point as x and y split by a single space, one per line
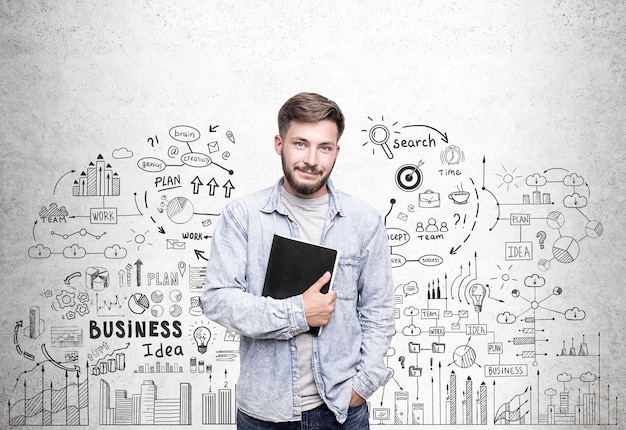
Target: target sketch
409 177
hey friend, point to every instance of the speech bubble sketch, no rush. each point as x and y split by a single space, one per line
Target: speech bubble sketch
410 288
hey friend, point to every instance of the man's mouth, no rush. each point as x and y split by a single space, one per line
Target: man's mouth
309 172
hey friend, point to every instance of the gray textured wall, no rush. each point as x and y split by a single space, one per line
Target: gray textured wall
506 99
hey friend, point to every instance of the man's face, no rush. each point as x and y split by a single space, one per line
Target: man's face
308 153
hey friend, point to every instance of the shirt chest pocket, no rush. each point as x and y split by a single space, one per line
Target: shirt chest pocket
346 277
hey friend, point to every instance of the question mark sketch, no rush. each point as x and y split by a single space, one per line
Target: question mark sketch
151 140
401 359
542 238
457 217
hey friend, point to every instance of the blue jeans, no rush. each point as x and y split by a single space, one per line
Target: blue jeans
320 418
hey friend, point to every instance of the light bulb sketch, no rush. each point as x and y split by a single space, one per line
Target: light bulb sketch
202 336
478 293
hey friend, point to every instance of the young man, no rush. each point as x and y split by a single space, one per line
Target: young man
289 378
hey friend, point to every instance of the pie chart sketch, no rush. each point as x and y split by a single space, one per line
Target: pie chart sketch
565 250
594 229
555 219
179 210
544 264
464 356
138 303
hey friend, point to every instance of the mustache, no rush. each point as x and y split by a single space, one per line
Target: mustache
308 169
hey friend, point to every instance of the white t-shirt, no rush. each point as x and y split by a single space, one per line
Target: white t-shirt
310 216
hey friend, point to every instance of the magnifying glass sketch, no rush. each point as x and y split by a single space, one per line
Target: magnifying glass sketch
379 135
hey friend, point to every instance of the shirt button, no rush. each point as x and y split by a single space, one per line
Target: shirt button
294 379
293 349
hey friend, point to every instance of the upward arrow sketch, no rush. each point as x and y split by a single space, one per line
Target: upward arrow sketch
212 184
196 184
138 263
229 187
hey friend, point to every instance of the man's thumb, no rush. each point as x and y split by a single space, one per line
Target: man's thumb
323 280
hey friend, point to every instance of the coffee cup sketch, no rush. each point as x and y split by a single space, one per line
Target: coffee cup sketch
459 197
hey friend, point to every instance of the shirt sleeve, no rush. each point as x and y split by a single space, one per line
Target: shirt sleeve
226 299
376 310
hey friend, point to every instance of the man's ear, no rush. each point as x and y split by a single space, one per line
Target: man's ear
278 144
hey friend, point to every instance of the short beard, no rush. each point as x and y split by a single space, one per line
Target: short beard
301 188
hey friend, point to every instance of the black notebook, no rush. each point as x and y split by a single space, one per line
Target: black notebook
295 265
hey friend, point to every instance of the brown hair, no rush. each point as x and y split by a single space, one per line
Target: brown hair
309 107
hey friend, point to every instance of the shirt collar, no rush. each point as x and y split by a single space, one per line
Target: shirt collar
274 202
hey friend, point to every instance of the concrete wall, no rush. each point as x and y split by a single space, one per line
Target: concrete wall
106 218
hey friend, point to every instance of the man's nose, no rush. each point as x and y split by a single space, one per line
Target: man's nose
311 157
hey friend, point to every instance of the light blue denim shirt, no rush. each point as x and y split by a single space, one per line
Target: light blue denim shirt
350 352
